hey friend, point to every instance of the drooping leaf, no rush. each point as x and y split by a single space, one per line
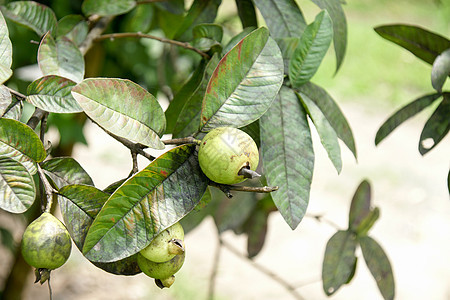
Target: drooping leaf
17 190
107 7
66 171
334 8
332 112
5 99
422 43
328 136
33 15
52 93
288 155
5 51
60 57
74 27
147 203
247 13
244 84
21 143
123 108
311 49
404 114
379 265
189 118
339 261
437 126
283 17
440 70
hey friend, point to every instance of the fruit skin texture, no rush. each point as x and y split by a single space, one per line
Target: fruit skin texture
160 270
224 151
46 243
161 248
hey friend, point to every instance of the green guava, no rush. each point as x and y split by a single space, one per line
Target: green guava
160 270
165 245
46 243
224 152
166 282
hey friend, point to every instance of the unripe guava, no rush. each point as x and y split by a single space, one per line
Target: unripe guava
224 151
166 244
46 243
160 270
166 282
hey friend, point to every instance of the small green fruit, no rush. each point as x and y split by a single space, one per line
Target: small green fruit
166 244
160 270
224 152
46 243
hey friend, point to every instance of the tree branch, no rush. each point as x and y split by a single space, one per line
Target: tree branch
113 36
36 117
49 190
255 189
94 33
181 141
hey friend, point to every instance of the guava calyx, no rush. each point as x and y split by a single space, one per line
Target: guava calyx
165 283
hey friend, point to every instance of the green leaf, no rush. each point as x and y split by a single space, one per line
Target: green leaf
404 114
368 222
5 51
311 49
440 70
21 143
60 57
107 7
236 39
52 93
256 227
17 190
203 209
33 15
7 240
327 135
244 84
147 203
422 43
379 265
253 131
74 27
283 17
5 99
65 171
437 126
211 31
14 109
188 121
360 206
123 108
288 155
339 261
247 13
287 46
331 111
334 8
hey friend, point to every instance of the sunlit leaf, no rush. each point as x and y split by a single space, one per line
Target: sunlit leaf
311 49
52 93
60 57
437 126
5 99
247 13
66 170
33 15
339 261
14 109
147 203
404 114
379 265
5 51
123 108
244 84
288 155
236 39
440 70
17 190
74 27
107 7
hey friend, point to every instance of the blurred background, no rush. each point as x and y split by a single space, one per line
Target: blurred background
376 78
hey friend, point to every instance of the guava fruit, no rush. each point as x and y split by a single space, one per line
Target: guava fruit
160 270
166 244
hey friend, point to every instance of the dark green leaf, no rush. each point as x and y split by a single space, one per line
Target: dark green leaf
422 43
74 27
247 13
287 46
123 108
283 17
256 227
33 15
114 186
311 49
244 84
334 8
253 131
203 209
236 39
52 93
65 171
17 190
328 136
5 51
107 7
211 31
404 114
288 155
379 265
206 44
437 126
368 222
361 205
339 261
7 239
146 204
441 70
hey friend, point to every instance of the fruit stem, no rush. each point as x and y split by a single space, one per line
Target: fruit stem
255 189
49 190
181 141
248 173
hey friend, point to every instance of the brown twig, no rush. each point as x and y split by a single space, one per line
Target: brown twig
36 117
113 36
181 141
94 33
135 163
255 189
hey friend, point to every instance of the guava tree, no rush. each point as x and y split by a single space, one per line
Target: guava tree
113 63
